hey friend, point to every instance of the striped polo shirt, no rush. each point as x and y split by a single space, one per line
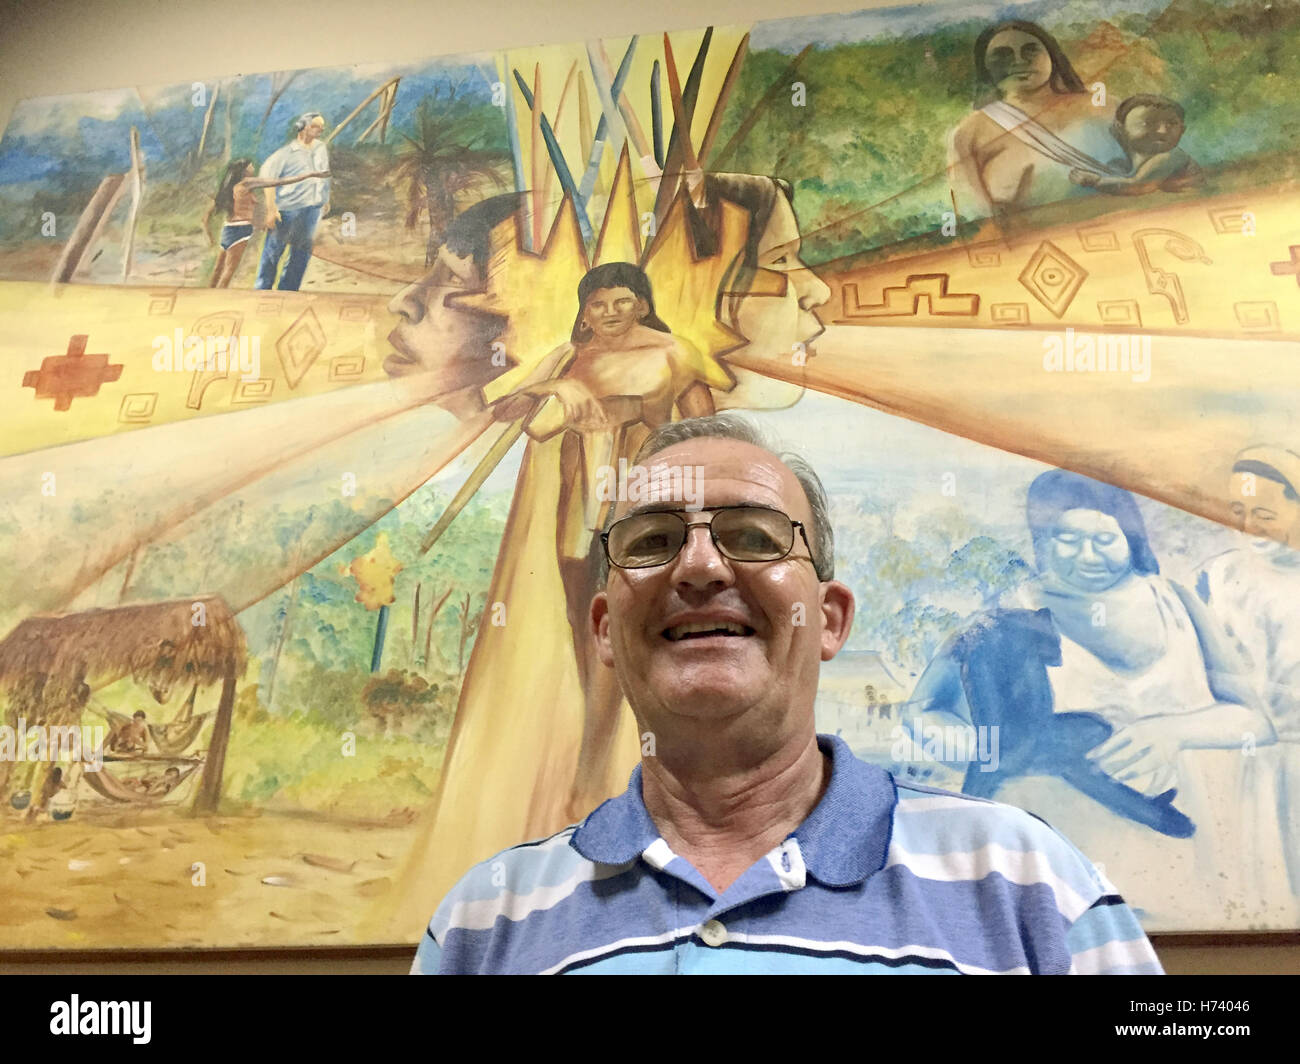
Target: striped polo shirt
882 877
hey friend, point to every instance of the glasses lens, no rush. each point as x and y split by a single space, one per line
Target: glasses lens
753 534
646 539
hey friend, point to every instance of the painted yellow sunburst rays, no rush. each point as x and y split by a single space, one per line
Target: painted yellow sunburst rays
620 233
685 286
537 293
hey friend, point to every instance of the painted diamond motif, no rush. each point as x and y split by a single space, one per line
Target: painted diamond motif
300 345
1052 277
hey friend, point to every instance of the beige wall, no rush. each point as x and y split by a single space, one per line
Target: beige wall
59 46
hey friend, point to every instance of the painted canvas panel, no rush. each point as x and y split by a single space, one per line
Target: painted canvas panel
320 384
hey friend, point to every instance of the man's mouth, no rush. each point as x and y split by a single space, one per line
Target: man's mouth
398 361
396 365
705 629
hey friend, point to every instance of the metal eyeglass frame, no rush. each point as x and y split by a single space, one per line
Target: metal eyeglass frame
604 536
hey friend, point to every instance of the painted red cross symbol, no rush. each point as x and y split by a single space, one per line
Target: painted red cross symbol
75 375
1293 267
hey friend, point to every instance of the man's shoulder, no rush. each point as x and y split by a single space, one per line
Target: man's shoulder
958 836
965 815
532 875
275 159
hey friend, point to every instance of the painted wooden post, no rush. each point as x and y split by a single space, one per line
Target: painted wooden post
209 796
89 226
136 179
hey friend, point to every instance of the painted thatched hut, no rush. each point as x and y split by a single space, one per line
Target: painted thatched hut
50 663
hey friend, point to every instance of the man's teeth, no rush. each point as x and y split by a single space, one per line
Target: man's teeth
682 630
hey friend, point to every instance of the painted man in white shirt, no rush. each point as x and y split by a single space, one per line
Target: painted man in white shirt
293 210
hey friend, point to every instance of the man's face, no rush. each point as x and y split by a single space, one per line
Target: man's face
1152 130
611 312
431 336
1264 513
792 622
771 323
313 129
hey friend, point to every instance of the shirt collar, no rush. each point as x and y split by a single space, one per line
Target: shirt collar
844 839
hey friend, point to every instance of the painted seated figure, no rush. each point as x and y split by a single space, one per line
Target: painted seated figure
1104 675
132 738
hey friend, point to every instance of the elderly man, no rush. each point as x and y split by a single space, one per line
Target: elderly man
746 842
292 211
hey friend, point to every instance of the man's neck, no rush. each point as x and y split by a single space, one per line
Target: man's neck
722 821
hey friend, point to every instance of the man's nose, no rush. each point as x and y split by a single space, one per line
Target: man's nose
811 289
699 560
407 304
1088 552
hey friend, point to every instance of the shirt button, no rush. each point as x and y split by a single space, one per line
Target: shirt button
713 933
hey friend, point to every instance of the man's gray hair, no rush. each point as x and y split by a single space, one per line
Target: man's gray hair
731 426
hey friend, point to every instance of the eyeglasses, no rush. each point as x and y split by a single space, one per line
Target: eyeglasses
741 533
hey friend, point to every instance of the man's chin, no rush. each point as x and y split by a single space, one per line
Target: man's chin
721 693
396 365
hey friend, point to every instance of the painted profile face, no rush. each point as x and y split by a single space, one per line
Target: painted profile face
612 312
1018 62
1264 513
1089 551
774 324
434 337
313 129
1152 130
249 171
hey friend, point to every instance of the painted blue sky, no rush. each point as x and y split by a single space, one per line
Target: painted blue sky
910 20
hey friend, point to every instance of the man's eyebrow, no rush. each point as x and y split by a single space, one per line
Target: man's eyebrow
674 508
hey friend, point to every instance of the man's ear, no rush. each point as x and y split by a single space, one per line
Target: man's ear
838 608
642 308
599 620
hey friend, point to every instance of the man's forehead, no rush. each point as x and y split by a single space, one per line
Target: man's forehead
715 471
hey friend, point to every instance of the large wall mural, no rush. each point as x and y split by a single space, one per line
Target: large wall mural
320 383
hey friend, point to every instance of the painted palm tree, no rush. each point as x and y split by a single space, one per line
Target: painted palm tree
444 159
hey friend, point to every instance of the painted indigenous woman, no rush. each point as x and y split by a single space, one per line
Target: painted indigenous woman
1033 123
1118 705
